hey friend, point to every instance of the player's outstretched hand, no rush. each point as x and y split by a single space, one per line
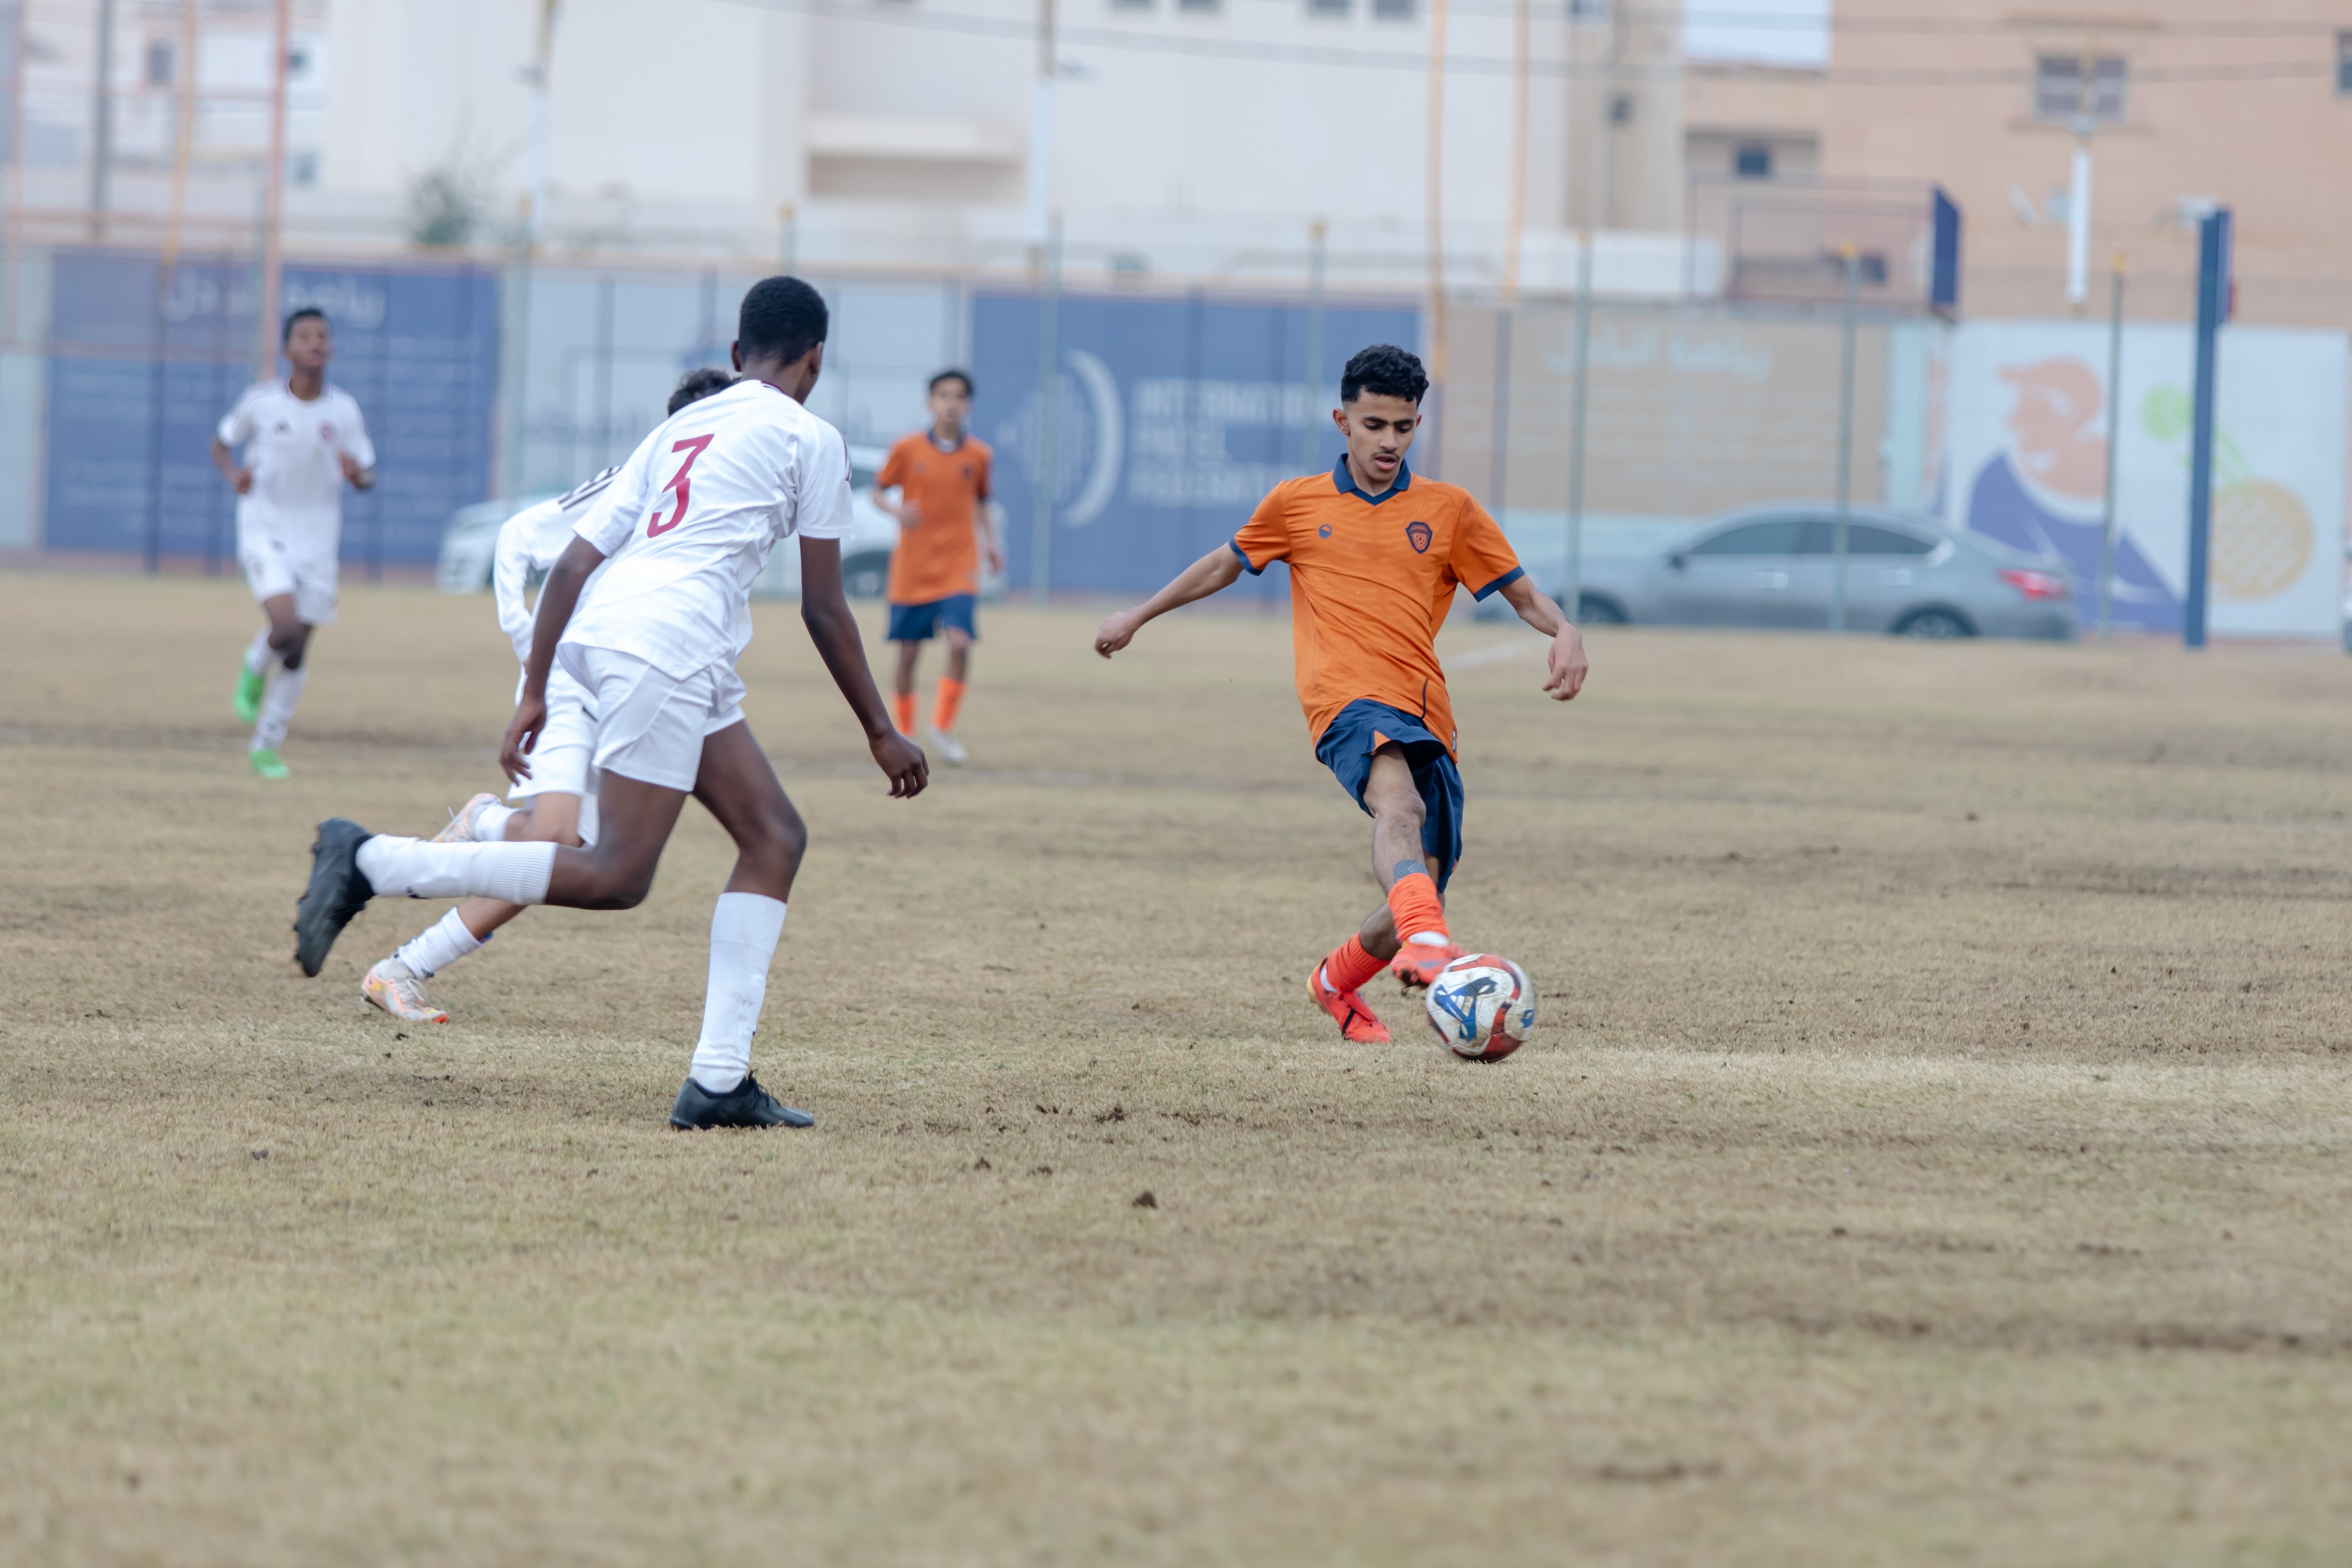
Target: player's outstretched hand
522 737
1568 664
1117 633
903 760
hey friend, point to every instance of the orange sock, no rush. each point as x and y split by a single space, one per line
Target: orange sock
904 703
1349 967
951 702
1414 902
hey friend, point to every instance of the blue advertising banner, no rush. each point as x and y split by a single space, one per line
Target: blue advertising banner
138 381
1173 418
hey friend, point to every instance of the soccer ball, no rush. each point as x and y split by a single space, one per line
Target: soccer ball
1482 1007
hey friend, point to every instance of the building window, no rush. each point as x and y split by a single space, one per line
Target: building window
159 64
2344 64
1198 6
1130 5
2058 88
1588 13
1327 7
1392 10
1752 162
1620 109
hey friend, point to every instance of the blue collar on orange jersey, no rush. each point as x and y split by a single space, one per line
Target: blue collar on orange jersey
1346 481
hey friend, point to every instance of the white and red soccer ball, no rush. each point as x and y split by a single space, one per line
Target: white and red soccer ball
1483 1007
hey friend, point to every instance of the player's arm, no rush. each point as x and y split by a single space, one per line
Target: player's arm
240 479
558 597
1566 656
234 430
358 453
825 610
1213 573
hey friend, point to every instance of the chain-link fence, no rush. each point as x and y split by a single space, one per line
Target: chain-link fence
1172 410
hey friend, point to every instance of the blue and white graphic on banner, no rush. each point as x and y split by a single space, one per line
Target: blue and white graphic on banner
130 427
1173 420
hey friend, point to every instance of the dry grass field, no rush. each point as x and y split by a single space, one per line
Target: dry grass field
1934 1148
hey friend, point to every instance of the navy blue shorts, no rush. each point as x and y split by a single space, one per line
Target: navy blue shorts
921 622
1347 750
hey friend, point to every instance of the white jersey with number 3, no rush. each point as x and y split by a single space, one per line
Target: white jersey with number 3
689 520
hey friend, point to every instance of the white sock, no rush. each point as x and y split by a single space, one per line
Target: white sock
743 932
411 868
277 707
438 945
260 655
491 823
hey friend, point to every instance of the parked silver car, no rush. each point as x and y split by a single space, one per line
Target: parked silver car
1774 566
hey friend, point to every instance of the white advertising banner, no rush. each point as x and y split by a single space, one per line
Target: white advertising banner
2026 446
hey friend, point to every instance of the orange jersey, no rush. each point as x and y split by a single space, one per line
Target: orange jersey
938 551
1371 580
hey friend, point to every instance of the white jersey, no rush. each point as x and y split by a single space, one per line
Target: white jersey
690 518
295 449
534 539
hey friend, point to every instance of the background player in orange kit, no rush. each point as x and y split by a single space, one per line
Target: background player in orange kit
1375 555
941 477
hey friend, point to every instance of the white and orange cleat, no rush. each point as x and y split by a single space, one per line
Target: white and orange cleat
393 987
460 829
1349 1009
1420 959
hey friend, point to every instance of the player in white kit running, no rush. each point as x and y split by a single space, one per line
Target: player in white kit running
557 804
687 524
303 441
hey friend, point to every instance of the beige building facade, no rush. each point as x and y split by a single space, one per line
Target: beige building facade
2249 105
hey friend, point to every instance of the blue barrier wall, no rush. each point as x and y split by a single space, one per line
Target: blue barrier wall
1173 417
138 383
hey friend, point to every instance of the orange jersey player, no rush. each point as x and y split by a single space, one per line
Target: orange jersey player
941 477
1375 555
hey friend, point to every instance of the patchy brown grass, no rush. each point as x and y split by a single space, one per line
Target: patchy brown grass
1934 1148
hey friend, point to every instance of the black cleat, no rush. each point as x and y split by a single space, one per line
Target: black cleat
745 1105
337 892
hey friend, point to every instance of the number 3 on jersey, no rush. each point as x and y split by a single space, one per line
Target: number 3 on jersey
692 446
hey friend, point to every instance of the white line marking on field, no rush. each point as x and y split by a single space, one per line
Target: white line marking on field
1495 653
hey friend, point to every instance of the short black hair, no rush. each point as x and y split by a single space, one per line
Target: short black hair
952 376
1385 370
697 385
307 313
782 316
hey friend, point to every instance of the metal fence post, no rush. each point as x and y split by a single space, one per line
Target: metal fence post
1572 590
1049 414
1308 435
2114 432
2212 309
1845 441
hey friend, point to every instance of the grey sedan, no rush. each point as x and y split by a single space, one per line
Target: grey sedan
1775 567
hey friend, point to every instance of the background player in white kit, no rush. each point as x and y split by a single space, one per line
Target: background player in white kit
688 524
557 804
303 441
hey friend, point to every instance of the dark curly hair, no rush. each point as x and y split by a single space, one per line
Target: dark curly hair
697 385
1385 370
781 316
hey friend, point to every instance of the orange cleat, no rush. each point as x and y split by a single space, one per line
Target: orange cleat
1418 963
1349 1009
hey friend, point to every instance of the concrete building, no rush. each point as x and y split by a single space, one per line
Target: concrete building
1195 139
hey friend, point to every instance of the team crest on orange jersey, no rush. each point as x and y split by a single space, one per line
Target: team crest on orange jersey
1420 535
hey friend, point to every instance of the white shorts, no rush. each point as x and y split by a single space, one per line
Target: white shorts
650 726
272 567
561 763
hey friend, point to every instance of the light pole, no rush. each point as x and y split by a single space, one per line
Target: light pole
1852 256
